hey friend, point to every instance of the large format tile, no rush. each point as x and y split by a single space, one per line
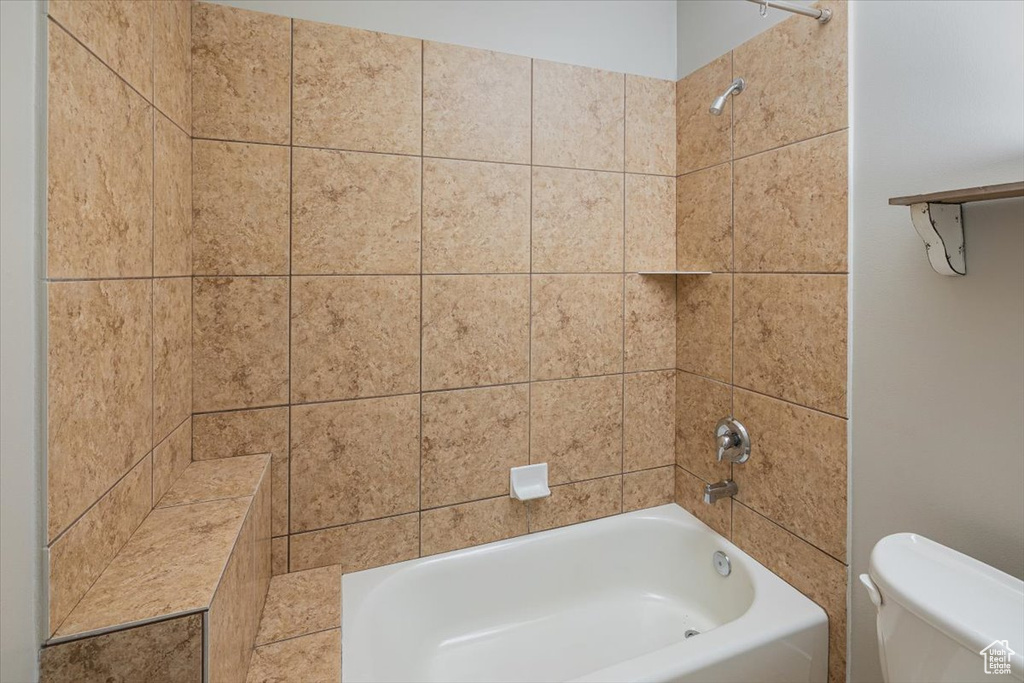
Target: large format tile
241 74
704 236
476 330
577 221
300 603
279 555
689 495
240 208
476 217
354 337
796 75
119 32
700 404
578 117
99 168
650 334
172 200
650 223
650 125
703 140
239 342
315 658
818 576
172 354
354 461
704 326
470 524
648 488
791 208
99 390
576 325
798 478
355 213
791 338
576 427
356 90
170 458
575 503
470 440
79 556
172 60
358 546
649 420
476 104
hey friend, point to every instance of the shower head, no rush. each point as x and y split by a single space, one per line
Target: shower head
719 104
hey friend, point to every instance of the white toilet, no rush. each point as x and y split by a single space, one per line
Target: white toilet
943 616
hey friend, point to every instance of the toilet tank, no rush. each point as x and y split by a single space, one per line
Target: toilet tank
944 616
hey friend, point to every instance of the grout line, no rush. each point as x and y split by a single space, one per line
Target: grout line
257 646
790 532
622 347
763 151
760 393
419 449
291 186
529 369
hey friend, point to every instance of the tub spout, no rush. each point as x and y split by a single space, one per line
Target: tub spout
722 489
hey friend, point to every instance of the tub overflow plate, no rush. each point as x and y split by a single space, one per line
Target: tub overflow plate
722 564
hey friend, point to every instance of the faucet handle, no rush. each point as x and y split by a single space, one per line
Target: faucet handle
733 441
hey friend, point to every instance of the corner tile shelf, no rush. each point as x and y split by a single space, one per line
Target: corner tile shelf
938 219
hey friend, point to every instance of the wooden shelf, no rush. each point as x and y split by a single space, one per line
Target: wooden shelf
983 193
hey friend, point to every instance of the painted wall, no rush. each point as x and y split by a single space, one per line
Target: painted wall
630 36
21 596
938 363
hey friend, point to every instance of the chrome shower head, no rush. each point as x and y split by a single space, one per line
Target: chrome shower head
719 104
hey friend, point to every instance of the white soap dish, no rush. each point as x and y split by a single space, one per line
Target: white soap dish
529 482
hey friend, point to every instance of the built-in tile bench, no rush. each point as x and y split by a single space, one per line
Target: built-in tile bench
198 567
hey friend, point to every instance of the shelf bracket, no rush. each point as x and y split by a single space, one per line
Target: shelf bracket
941 227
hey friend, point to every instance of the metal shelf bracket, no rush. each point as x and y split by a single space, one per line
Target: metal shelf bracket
941 227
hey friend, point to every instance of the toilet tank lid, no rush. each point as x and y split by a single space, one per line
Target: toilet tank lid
969 601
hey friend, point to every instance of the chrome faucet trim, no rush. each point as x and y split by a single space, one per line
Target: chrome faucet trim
721 489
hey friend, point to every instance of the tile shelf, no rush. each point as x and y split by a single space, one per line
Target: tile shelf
673 272
938 219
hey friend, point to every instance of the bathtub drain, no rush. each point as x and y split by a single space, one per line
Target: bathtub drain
690 633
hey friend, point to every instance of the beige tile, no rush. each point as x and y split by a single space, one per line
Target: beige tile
356 90
650 336
232 619
791 338
260 518
241 74
169 651
700 404
476 330
172 354
818 576
358 546
355 213
170 458
470 524
240 208
315 658
217 479
791 208
353 461
99 168
689 495
648 488
99 390
650 222
577 221
247 432
578 117
78 556
279 556
179 552
796 75
703 140
476 217
577 325
120 32
575 503
650 125
300 603
172 60
470 440
172 200
649 420
798 478
354 337
476 104
239 342
576 427
704 235
703 327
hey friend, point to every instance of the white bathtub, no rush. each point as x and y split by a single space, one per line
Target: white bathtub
608 600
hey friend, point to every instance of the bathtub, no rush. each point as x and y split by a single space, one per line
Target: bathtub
608 600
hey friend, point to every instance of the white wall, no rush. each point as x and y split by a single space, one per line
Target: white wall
21 535
937 403
631 36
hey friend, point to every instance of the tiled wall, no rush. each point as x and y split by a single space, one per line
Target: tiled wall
412 272
118 277
762 202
